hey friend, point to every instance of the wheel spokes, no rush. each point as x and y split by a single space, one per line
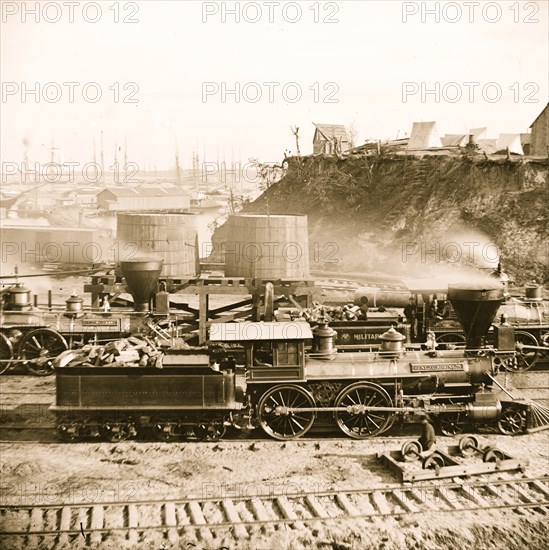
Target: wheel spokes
358 420
280 415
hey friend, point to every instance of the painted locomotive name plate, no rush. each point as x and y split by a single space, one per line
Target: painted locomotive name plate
100 323
438 367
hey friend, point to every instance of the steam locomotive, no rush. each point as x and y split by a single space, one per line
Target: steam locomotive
34 337
528 313
296 380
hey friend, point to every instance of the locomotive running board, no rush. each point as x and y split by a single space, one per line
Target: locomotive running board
411 471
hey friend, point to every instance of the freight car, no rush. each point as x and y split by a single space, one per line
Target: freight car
289 389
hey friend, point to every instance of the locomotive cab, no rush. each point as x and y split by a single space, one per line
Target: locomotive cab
274 350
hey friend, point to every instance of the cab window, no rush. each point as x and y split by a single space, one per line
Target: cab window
287 353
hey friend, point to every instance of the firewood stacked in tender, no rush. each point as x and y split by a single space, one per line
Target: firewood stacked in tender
126 352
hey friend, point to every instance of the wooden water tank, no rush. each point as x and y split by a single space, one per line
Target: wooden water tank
267 247
170 237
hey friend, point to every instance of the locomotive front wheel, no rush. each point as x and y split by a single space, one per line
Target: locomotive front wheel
451 423
279 415
6 353
511 421
357 420
40 347
526 358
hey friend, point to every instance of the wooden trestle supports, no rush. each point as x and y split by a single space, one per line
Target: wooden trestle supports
299 291
303 290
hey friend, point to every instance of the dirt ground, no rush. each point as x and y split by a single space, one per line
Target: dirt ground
98 472
49 471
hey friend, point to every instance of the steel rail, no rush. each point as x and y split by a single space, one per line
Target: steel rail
387 501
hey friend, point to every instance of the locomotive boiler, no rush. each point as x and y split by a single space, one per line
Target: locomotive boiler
296 380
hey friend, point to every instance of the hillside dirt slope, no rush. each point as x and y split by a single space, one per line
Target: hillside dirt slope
414 216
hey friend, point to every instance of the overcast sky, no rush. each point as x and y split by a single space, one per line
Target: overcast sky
349 60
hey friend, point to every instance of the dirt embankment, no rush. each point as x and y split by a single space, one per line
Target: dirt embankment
413 215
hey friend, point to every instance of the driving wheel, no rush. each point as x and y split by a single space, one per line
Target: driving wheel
359 416
39 348
6 353
280 415
526 358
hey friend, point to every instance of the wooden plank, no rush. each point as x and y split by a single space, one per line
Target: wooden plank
170 520
442 492
315 506
287 511
239 531
505 498
197 517
519 490
346 505
133 522
540 486
202 319
229 307
470 494
259 509
394 466
36 524
97 522
64 525
404 500
380 501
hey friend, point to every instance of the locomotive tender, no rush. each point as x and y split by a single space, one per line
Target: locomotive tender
290 387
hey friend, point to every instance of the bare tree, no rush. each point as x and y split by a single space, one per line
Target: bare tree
295 132
352 133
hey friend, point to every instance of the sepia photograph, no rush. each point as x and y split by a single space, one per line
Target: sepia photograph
274 275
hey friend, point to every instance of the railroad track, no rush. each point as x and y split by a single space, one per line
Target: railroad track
221 513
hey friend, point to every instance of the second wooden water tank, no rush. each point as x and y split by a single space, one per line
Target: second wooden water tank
261 246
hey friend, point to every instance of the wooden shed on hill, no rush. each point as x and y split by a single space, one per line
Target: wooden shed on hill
328 137
539 146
